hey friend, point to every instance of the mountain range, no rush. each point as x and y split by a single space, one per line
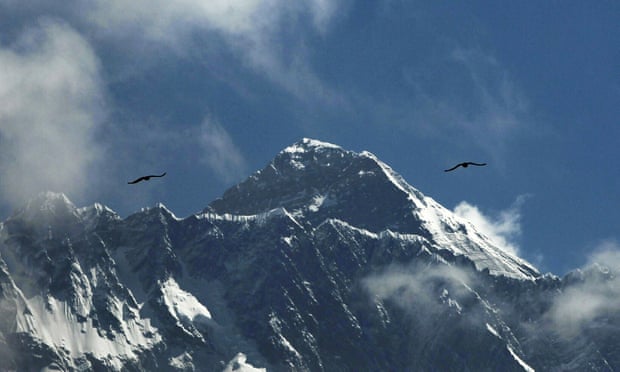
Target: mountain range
324 260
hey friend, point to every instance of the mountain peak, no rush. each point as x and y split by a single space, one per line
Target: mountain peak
309 144
312 175
46 204
51 199
321 180
307 153
316 181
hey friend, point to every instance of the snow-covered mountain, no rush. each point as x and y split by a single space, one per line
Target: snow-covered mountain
325 260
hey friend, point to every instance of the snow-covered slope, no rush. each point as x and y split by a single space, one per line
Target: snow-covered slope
325 260
316 180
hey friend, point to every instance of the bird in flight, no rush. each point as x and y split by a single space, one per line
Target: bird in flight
146 178
465 165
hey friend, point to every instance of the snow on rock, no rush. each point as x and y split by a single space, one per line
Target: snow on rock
240 364
396 179
275 324
167 211
526 367
318 181
451 232
183 306
319 201
458 235
54 323
309 144
183 362
297 151
493 331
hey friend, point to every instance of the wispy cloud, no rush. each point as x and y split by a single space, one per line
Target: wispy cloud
593 292
415 285
424 290
168 21
266 36
470 96
503 228
145 144
51 109
501 105
219 151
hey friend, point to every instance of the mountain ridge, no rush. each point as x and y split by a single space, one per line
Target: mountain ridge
294 281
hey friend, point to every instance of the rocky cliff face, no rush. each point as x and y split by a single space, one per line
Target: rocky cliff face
324 260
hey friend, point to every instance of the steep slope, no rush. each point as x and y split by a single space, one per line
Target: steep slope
316 181
326 260
70 305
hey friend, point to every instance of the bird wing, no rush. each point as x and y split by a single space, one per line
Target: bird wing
478 164
453 168
136 180
161 175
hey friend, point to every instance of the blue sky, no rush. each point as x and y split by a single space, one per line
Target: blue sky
92 95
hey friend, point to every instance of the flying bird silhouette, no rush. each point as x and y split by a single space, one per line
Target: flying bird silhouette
146 178
465 165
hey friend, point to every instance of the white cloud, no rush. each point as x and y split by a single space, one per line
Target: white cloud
219 151
166 21
266 36
503 229
414 285
606 253
424 290
51 107
595 293
259 32
250 20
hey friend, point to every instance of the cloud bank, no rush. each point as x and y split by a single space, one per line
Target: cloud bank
593 294
51 107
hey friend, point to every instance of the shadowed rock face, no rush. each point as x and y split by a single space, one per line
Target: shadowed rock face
324 260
